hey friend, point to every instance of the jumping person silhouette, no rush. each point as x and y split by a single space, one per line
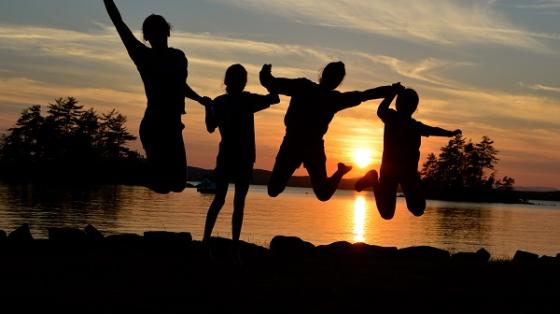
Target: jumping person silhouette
401 153
311 109
233 113
164 73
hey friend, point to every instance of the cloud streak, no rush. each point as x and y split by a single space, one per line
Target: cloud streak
449 22
521 123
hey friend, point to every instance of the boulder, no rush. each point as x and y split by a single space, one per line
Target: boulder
375 252
282 246
548 259
360 251
481 256
92 233
525 257
334 250
66 235
252 253
123 245
167 237
22 233
423 254
123 238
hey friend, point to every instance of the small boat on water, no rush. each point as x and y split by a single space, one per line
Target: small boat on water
206 186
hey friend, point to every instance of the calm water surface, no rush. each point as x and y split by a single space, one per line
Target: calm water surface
350 216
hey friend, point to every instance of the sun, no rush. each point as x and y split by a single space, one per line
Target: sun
363 157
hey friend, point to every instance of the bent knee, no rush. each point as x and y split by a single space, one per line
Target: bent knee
387 213
387 216
322 197
417 210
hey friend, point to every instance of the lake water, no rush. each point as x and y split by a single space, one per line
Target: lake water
501 229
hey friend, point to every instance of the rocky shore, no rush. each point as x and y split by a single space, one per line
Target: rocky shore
82 271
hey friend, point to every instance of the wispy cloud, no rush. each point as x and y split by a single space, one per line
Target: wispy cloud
539 4
510 118
451 22
541 87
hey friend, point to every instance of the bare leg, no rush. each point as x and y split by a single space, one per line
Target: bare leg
287 161
323 186
412 188
241 190
215 207
385 191
281 173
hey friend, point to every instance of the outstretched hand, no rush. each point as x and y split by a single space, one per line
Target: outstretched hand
206 101
398 87
265 74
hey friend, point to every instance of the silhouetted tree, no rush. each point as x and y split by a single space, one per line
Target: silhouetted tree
114 135
465 170
68 140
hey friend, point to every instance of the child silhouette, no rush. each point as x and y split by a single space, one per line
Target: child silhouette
401 153
311 110
233 114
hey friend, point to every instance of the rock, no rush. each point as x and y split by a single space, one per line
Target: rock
524 257
359 251
334 250
424 254
548 259
21 234
92 233
123 238
168 237
252 253
481 256
282 246
66 235
375 252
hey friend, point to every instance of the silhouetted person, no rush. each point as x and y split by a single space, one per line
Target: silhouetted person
233 114
311 109
164 73
401 153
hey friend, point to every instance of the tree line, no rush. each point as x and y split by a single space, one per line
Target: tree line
69 143
466 171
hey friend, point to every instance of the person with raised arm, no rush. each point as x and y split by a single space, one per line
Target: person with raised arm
164 72
312 108
401 153
233 114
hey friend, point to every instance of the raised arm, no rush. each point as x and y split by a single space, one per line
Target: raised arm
276 85
391 93
130 42
381 92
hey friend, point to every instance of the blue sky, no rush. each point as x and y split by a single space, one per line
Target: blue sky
487 67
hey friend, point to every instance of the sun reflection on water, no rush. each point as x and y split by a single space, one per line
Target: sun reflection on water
359 218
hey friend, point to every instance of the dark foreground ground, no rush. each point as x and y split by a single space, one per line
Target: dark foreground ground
83 272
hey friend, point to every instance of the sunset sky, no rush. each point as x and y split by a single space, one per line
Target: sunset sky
489 67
